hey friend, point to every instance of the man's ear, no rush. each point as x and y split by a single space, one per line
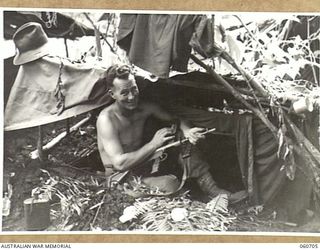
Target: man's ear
110 92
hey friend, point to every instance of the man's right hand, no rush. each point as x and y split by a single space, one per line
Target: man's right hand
161 137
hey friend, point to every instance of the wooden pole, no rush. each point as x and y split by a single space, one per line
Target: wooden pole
237 95
67 55
66 47
98 44
309 151
257 86
40 143
213 40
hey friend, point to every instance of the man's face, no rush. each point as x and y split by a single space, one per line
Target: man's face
125 92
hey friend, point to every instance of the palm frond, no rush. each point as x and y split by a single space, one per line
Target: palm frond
155 214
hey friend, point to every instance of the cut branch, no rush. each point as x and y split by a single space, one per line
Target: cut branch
237 95
40 143
103 36
35 154
249 78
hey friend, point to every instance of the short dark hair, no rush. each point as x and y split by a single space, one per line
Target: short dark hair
117 71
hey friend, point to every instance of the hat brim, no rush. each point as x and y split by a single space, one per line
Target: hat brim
31 55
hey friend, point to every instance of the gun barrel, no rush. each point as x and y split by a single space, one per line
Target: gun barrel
178 143
208 131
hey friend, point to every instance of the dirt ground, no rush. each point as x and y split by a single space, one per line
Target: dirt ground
74 162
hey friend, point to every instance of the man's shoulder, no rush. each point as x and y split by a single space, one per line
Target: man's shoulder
106 112
105 115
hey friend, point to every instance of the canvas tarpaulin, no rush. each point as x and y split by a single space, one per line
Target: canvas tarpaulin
260 166
51 89
158 42
256 149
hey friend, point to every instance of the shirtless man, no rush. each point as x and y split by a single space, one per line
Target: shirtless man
120 131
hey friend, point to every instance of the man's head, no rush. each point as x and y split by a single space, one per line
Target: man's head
122 86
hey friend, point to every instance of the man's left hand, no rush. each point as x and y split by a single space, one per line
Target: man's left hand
194 134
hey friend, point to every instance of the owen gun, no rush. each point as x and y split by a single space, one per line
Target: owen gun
158 155
160 152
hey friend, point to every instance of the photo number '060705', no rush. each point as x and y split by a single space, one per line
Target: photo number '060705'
309 245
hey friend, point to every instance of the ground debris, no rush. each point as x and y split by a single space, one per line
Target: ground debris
83 190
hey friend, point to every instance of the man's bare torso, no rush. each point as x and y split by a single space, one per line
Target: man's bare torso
127 129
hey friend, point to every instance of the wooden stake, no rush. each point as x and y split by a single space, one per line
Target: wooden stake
40 143
66 47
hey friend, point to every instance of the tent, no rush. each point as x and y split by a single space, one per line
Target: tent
239 135
257 137
198 97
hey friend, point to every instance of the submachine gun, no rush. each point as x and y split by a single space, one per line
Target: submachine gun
160 151
159 155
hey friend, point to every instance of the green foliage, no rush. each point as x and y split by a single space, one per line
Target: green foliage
264 50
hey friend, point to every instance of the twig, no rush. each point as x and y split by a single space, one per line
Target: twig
103 36
249 31
312 66
98 210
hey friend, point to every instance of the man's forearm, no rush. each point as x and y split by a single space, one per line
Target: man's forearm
130 160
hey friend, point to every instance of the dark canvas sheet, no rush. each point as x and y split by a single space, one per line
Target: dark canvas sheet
257 159
158 42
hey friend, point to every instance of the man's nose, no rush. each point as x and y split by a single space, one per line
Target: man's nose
131 95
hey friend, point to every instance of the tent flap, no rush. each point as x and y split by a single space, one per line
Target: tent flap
158 42
33 98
